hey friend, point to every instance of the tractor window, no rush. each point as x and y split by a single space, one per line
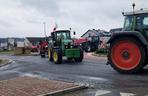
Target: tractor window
142 22
128 23
63 35
58 35
66 35
145 23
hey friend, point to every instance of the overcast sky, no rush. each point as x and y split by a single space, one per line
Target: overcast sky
24 18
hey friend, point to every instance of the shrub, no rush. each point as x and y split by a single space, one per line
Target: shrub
101 51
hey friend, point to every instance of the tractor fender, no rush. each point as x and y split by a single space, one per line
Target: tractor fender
134 34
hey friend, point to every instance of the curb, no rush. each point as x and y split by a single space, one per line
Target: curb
64 91
4 64
26 55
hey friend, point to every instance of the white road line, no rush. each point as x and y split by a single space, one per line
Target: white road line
92 78
127 94
102 92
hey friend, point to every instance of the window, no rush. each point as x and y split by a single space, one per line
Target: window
128 23
58 35
145 23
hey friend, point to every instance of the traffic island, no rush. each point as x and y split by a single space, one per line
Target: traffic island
4 62
28 86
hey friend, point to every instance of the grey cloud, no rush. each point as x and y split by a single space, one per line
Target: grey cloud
26 16
47 7
4 23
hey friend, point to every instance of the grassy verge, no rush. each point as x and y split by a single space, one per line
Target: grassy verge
100 52
6 52
3 61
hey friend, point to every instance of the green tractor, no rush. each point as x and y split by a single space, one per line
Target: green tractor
61 45
128 51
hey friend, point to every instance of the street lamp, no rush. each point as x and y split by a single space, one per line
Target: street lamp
44 23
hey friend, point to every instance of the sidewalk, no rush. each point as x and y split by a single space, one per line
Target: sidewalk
27 86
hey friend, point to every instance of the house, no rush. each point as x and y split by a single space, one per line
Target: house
34 41
112 31
3 43
94 32
10 43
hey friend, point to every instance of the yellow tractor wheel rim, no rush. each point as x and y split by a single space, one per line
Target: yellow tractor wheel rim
49 53
55 56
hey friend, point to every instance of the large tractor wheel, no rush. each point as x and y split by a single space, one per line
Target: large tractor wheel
127 55
50 55
79 59
57 56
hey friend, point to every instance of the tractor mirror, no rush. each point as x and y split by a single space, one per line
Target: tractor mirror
74 33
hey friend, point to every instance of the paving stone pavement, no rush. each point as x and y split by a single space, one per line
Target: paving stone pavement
28 86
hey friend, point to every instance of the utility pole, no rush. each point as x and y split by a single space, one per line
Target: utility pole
44 23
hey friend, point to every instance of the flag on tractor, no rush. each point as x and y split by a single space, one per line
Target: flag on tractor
55 28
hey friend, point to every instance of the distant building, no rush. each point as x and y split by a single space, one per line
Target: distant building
34 41
3 43
112 31
102 34
10 43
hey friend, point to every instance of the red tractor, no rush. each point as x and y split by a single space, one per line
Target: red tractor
43 46
88 44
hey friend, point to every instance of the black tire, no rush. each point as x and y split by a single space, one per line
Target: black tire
59 56
79 59
89 49
42 55
50 54
141 49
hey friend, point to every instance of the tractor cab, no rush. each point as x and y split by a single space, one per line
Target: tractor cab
62 38
61 34
137 21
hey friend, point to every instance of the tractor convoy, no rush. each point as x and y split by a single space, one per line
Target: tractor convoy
128 50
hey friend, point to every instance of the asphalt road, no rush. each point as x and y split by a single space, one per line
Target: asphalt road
93 72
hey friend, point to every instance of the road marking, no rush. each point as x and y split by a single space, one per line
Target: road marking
127 94
105 92
102 92
92 78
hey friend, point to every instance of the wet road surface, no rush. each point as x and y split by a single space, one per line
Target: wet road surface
93 72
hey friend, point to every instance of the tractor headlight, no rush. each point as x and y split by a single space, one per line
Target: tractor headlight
68 45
